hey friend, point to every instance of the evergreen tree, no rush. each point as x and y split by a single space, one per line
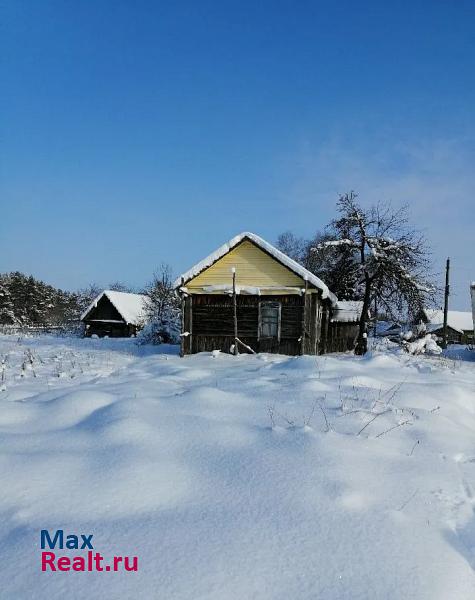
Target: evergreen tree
27 301
7 309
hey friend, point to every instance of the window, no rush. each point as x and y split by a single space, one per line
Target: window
269 320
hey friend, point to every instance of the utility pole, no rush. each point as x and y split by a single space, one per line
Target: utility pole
236 350
446 303
304 318
375 329
182 337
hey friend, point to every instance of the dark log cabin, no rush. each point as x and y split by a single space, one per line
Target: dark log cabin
459 325
250 294
114 314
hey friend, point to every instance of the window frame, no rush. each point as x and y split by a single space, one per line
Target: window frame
279 319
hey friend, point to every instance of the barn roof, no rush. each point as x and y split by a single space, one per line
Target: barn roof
131 307
266 247
456 319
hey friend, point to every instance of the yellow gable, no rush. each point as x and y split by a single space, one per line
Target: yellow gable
254 267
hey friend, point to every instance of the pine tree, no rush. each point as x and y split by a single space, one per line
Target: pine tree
7 312
27 301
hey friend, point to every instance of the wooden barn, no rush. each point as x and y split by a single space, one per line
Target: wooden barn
114 314
344 325
250 297
459 325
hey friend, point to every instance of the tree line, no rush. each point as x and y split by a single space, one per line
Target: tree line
26 301
29 302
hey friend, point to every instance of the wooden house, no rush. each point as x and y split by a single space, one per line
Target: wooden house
114 314
459 325
250 296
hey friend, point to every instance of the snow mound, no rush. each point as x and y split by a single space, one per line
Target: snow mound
256 476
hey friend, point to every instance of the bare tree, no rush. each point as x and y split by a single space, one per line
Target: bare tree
119 286
86 295
293 246
335 265
391 258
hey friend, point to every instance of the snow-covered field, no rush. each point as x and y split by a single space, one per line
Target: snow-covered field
263 477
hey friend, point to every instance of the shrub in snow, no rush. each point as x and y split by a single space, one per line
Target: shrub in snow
421 329
419 341
426 344
407 336
163 330
162 311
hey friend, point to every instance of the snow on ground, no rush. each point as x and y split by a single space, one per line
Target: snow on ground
265 477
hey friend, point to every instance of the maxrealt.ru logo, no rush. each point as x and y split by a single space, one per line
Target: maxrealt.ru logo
89 560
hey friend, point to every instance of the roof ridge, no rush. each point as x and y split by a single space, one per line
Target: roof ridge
131 314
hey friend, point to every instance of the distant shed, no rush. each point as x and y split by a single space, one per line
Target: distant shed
278 305
115 314
459 324
345 319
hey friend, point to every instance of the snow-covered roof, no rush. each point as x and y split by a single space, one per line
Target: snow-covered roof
456 319
131 307
347 311
437 328
267 247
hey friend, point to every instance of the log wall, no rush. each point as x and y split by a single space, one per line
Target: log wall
342 336
210 324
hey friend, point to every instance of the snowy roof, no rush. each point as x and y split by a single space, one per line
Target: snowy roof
347 311
270 249
437 328
131 307
456 319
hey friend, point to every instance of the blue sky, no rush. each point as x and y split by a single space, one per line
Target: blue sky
135 133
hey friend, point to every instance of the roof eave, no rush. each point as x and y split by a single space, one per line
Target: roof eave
212 258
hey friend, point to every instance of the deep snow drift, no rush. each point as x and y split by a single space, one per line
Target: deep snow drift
263 477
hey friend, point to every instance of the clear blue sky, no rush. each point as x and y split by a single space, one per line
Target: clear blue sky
134 133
